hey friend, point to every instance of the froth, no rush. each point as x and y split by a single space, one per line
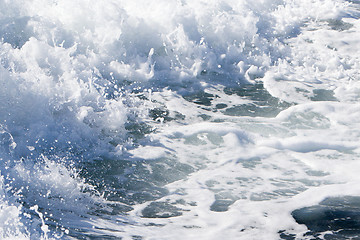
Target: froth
119 106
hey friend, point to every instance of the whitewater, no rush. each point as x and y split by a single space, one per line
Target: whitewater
179 119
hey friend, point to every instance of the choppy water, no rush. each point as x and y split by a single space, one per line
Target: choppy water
179 119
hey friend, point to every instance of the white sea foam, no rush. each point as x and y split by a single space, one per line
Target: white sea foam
125 119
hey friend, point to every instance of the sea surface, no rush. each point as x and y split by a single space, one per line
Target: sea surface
179 119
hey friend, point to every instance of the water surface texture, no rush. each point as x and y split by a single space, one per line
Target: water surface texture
179 119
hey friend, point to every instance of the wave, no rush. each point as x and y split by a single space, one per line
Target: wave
99 102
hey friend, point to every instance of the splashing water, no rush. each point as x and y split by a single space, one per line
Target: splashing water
179 119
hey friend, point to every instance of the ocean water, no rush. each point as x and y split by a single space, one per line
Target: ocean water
217 119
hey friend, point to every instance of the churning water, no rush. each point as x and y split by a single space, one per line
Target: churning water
179 119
